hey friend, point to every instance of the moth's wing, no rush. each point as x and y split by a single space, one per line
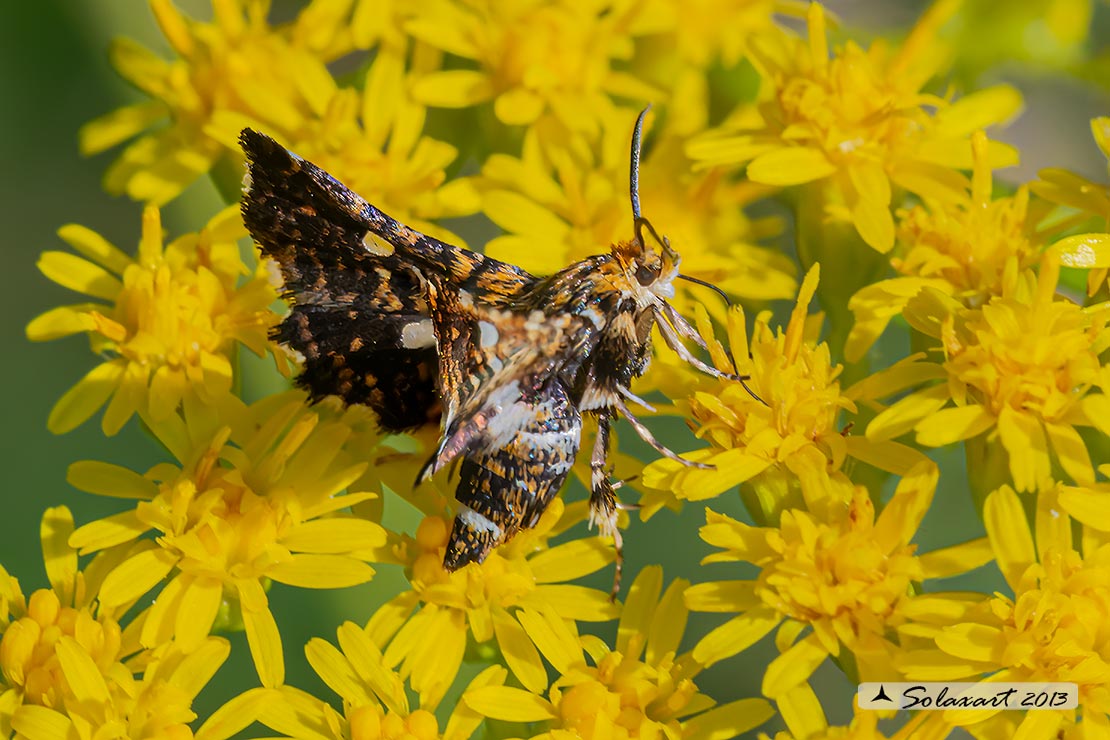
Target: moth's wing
352 310
515 428
303 192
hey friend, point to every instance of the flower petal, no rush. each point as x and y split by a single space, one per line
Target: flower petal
736 635
105 479
519 652
309 570
456 88
792 165
262 634
136 576
509 704
59 557
949 561
571 560
369 664
1008 530
947 426
82 400
793 667
729 720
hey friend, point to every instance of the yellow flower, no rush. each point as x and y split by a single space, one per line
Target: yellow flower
845 575
858 123
702 32
480 603
786 447
640 689
68 668
962 247
533 57
255 499
565 199
238 64
169 323
1053 629
1091 200
375 705
372 142
805 720
1022 368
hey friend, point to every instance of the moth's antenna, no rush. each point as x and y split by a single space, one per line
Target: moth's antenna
634 175
711 286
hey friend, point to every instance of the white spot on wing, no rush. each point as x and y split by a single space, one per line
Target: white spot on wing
477 522
489 334
418 334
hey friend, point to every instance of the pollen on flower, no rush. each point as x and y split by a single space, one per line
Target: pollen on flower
555 57
251 502
172 319
795 430
963 246
834 572
206 87
477 603
29 648
640 688
857 120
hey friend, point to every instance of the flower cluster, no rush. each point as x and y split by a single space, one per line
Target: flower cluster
903 299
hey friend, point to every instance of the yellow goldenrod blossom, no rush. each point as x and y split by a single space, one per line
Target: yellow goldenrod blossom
68 667
481 602
642 688
565 199
790 444
169 323
1053 629
845 574
372 141
962 247
805 720
705 31
375 705
237 63
1023 368
533 57
858 122
255 499
1090 200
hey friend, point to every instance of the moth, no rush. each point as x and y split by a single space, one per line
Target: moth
507 361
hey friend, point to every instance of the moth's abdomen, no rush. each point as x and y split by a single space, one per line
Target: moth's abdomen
510 476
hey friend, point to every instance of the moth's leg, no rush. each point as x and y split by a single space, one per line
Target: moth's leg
603 501
683 326
680 349
647 436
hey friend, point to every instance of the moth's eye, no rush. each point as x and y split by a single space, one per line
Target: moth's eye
646 275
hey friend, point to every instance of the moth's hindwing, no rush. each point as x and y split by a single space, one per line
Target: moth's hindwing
507 480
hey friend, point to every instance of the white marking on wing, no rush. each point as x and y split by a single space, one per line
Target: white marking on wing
477 522
418 334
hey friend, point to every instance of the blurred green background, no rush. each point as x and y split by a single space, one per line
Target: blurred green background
54 76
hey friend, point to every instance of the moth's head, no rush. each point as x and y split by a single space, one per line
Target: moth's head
647 259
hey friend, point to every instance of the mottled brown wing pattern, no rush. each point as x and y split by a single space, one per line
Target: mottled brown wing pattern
395 319
359 311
